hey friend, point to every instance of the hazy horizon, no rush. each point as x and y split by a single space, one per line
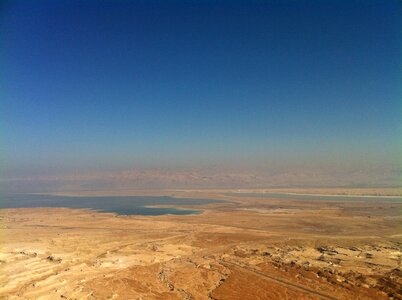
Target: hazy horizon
204 93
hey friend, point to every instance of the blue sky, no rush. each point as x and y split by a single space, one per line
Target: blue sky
120 84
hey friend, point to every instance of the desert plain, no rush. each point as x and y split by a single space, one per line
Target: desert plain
245 247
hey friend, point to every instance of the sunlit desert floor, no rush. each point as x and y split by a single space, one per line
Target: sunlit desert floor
243 248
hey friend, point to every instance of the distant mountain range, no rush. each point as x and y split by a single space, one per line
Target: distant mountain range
202 178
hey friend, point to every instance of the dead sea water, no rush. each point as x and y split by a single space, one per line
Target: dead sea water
123 205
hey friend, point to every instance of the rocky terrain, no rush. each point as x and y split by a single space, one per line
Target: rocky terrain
243 248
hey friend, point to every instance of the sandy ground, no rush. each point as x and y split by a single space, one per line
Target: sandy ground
245 248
